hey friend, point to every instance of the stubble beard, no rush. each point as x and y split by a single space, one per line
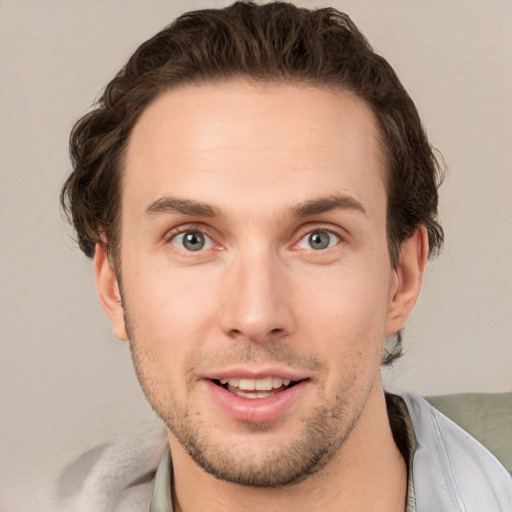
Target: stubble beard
319 440
278 466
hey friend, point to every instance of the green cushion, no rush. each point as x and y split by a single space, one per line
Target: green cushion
486 416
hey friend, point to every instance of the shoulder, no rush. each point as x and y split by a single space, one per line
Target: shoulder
451 470
117 475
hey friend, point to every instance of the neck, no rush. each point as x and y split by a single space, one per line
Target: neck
367 473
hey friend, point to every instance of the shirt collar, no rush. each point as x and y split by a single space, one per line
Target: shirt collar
162 500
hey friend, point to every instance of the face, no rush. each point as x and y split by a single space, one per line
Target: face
256 281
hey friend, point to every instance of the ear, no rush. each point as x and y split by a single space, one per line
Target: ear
407 279
109 292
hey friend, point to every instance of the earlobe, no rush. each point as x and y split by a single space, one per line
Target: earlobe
109 292
407 280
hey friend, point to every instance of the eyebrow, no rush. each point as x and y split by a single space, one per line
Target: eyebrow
184 206
170 204
327 204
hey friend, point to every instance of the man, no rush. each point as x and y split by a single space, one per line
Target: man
260 200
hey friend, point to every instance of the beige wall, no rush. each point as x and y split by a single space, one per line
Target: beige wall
66 383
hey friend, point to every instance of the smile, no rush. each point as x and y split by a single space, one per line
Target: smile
255 388
257 400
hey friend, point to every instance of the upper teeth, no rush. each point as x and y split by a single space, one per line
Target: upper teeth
257 384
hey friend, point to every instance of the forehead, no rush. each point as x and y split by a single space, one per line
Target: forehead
238 139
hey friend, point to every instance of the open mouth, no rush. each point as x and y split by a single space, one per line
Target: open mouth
257 399
255 388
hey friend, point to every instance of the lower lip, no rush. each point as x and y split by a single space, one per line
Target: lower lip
256 410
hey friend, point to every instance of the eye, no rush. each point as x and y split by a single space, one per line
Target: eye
192 241
318 240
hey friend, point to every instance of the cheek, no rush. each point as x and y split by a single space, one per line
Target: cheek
346 299
169 294
169 313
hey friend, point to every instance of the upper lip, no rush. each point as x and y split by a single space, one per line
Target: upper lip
243 372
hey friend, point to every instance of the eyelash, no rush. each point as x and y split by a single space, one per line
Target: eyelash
308 231
200 229
189 228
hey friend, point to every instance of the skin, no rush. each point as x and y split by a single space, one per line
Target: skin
273 164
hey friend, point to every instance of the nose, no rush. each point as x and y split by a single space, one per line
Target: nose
256 301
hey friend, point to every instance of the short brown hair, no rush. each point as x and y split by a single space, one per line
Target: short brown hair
275 43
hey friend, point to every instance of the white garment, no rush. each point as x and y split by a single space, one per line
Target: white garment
451 471
116 476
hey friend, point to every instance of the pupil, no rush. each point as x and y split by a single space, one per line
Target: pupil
319 240
193 241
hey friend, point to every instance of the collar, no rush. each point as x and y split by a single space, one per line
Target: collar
162 500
